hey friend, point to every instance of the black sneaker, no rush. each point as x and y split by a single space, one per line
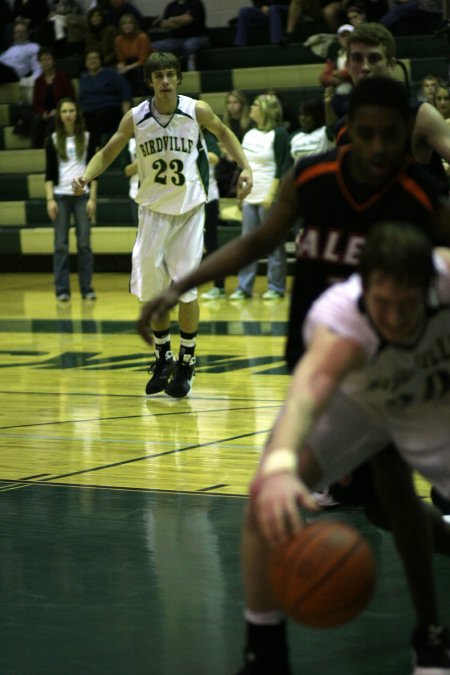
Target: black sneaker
161 369
431 648
180 382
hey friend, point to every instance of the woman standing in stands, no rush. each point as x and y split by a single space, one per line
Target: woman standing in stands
236 116
68 150
100 36
267 150
133 47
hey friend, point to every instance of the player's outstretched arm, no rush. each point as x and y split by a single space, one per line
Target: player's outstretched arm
104 157
288 466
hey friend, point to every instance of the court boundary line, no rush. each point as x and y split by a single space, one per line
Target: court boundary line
18 483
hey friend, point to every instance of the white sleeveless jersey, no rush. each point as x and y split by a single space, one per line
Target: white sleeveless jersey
70 168
405 390
172 159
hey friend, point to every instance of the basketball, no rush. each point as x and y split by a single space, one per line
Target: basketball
324 575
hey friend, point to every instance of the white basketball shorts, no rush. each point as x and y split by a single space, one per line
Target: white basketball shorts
166 248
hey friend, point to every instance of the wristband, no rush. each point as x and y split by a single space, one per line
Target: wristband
278 461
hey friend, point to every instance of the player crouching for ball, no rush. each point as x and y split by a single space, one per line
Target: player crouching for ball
173 172
376 372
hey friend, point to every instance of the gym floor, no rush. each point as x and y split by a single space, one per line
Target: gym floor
121 515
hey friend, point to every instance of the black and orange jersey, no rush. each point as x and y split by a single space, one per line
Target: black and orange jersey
336 213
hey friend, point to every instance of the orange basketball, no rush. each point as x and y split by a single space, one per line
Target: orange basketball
324 575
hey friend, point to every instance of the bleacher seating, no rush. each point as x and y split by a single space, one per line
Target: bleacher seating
26 237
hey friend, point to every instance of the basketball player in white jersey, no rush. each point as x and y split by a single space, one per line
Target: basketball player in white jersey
376 371
173 176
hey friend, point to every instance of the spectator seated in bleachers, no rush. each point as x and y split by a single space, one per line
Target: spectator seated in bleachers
64 28
427 88
355 13
313 137
49 88
335 72
271 13
104 96
21 59
133 47
100 36
441 99
116 10
407 16
332 13
186 21
31 12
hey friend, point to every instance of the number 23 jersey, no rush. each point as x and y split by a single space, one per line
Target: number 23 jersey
172 158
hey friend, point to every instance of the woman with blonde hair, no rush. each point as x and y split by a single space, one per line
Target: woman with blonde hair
68 150
266 147
133 47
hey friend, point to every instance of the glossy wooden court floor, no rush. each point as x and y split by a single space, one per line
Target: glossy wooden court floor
120 515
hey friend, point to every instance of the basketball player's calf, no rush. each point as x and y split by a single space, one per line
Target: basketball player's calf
174 378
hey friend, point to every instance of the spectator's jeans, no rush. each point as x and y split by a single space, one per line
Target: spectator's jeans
400 12
253 216
248 15
67 205
183 46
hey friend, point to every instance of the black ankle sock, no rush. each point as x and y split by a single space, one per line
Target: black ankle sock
162 343
187 345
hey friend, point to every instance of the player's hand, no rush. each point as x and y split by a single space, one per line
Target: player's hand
244 185
275 500
78 186
155 309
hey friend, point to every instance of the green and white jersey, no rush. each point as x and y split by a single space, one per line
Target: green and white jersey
172 158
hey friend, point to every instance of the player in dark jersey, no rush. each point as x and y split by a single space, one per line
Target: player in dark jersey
339 196
371 50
